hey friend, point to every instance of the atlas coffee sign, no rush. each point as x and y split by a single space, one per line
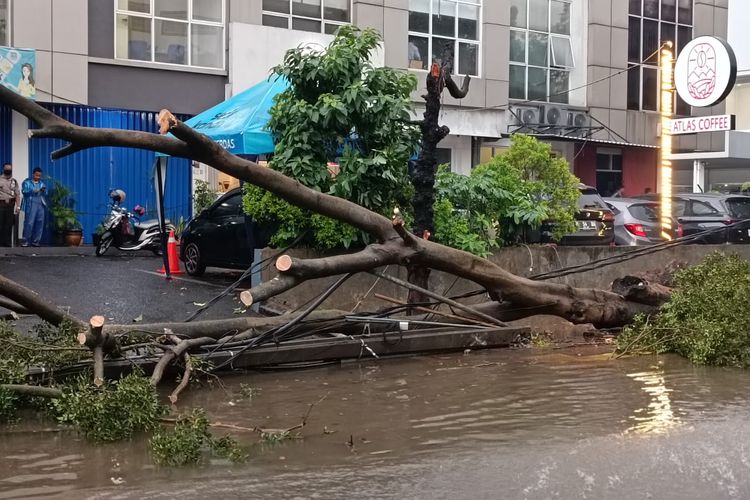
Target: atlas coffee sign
695 124
705 71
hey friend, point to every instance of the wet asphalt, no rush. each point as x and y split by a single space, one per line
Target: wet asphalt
123 287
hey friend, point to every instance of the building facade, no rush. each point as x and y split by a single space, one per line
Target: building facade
579 74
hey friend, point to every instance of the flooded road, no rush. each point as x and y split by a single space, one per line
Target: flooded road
494 424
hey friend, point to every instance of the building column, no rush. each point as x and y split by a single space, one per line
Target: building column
699 176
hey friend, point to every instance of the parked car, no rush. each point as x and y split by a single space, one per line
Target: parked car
594 222
697 212
637 222
220 236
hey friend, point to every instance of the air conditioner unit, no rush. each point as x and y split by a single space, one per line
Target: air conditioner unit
578 119
528 116
553 115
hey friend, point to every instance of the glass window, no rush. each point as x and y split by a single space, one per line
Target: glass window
135 5
651 23
668 10
541 56
309 15
4 24
634 42
418 51
440 29
181 32
650 88
539 15
651 8
207 10
562 52
538 49
560 17
170 41
173 9
518 46
701 208
228 208
517 82
518 13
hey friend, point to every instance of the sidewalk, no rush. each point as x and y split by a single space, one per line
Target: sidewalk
47 251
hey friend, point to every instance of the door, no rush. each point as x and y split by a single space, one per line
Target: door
228 239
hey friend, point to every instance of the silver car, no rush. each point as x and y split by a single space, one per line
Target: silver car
637 222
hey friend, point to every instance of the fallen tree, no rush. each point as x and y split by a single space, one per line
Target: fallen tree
394 245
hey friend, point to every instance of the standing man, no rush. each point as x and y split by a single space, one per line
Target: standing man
34 205
10 200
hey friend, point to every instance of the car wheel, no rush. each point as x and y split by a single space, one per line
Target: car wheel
104 243
193 263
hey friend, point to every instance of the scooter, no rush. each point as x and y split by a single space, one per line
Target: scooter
124 230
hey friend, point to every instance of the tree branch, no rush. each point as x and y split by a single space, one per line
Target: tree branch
33 390
31 301
453 89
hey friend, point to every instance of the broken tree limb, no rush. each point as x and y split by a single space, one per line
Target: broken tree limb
440 298
32 390
95 327
13 306
184 381
637 289
33 303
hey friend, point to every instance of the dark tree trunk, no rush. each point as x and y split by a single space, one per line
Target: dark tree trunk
423 173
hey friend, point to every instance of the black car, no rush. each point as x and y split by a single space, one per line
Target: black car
698 212
221 236
594 222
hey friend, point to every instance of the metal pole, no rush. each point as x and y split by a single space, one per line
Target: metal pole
160 206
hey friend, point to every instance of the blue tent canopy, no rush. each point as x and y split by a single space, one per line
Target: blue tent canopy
239 123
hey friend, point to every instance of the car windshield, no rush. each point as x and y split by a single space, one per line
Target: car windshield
648 212
739 208
590 199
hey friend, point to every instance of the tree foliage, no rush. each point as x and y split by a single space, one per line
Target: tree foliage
524 187
703 319
339 108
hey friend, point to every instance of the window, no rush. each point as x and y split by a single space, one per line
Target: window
228 208
184 32
608 170
4 22
445 29
651 23
541 54
320 16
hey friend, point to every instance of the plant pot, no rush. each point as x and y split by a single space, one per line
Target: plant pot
73 237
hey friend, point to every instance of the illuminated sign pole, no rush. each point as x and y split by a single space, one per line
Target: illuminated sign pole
665 167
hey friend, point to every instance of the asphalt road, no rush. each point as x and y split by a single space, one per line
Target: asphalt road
121 287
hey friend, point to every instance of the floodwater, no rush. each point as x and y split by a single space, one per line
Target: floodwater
539 423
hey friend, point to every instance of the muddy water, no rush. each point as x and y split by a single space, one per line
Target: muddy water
501 424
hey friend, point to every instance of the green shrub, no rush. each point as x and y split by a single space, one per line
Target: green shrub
187 441
117 410
704 319
522 188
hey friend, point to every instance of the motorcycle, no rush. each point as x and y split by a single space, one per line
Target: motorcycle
126 232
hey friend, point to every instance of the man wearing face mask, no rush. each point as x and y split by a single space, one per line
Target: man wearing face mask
10 200
34 205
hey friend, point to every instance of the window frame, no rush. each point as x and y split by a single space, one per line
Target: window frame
8 25
189 22
322 20
551 59
479 4
642 65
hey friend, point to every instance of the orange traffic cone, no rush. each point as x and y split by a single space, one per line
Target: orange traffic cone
174 259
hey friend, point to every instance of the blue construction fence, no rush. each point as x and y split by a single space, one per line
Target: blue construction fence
6 135
92 173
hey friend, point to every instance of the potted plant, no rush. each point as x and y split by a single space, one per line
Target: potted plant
66 226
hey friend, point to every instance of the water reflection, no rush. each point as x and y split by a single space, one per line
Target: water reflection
658 417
